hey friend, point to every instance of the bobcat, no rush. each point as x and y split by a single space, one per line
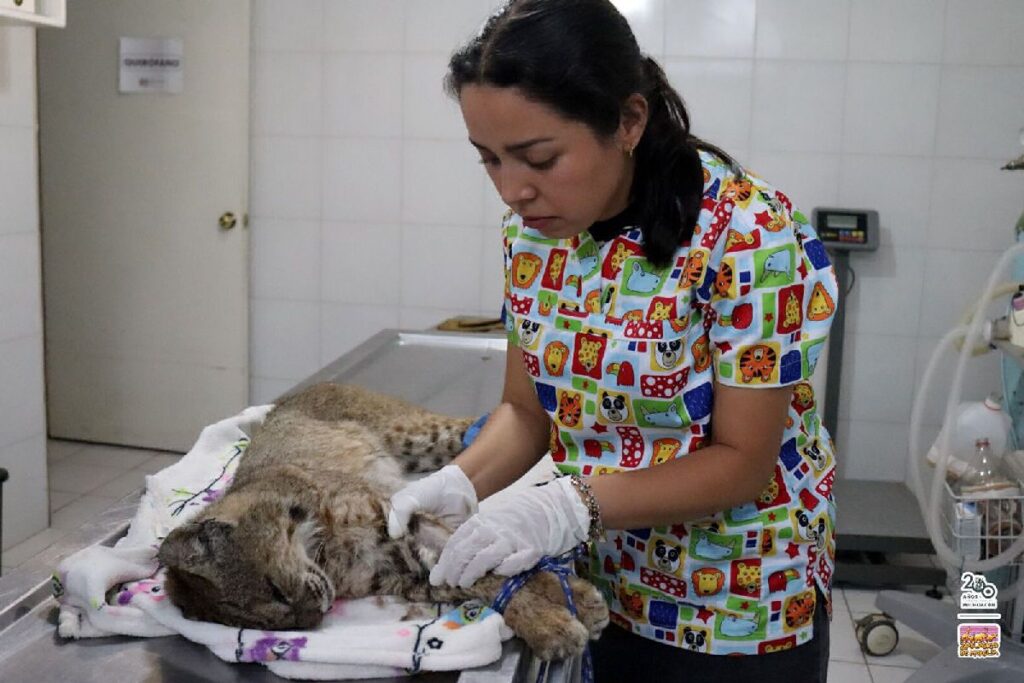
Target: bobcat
305 522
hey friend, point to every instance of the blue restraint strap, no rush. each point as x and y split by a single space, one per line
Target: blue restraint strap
474 430
561 567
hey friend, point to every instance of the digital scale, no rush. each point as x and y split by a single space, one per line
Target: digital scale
847 229
874 518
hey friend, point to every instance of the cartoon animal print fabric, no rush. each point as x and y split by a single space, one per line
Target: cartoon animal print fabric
624 356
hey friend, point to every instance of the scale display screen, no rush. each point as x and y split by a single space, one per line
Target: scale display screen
847 229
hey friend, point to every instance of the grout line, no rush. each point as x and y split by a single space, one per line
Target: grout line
754 67
400 277
321 218
846 93
930 252
849 611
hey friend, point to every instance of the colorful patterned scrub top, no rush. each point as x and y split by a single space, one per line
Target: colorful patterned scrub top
624 357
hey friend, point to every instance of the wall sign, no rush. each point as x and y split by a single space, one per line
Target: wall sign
151 65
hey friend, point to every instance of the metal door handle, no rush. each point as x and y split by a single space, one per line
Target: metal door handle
227 220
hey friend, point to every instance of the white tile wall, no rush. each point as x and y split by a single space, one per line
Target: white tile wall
18 163
20 313
286 339
492 278
902 201
802 29
880 446
362 179
294 25
442 25
428 111
285 260
718 95
357 25
911 32
22 412
287 89
695 28
357 263
442 183
798 106
877 305
18 85
285 181
363 94
647 19
953 280
972 220
984 32
907 107
903 129
979 110
447 279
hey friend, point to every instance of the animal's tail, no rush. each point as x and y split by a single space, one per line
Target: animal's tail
426 441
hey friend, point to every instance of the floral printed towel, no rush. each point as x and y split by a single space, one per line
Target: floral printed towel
119 591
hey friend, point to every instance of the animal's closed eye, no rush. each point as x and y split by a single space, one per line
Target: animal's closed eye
276 593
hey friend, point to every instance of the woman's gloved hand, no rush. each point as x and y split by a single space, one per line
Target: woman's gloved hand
447 493
513 535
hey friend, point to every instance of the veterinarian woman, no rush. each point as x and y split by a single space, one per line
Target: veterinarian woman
666 308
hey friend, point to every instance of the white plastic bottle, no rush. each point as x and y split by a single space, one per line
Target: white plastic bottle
980 420
974 420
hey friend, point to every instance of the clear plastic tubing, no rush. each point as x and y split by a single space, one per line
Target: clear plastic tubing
930 503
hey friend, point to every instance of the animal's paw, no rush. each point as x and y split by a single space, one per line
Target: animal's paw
591 609
554 634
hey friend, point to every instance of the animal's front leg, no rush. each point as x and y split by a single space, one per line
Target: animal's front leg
591 608
538 615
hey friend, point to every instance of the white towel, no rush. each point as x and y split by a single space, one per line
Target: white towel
110 591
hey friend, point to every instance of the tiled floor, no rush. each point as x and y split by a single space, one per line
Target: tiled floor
86 479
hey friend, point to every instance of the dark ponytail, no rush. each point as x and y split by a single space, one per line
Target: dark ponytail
580 58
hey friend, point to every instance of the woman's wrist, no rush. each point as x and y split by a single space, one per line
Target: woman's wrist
581 487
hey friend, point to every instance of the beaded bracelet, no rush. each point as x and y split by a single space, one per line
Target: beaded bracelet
587 496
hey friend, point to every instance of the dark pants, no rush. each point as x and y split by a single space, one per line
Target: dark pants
624 657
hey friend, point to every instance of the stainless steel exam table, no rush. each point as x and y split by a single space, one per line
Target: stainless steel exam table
453 373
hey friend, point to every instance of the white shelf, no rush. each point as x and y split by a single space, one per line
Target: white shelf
33 12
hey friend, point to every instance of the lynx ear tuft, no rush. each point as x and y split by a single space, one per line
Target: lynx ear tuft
213 534
194 542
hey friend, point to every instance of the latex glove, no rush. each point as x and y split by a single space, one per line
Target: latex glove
513 535
447 493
